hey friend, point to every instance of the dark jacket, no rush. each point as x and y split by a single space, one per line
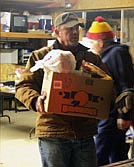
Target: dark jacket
53 125
118 61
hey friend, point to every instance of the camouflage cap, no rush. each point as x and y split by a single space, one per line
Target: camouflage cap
69 19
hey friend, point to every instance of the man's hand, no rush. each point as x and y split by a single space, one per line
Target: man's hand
40 103
123 124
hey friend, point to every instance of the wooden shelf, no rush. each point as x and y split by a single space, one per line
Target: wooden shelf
25 35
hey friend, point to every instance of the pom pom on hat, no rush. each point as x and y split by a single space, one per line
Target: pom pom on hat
99 19
100 29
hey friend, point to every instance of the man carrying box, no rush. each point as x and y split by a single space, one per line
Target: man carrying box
64 141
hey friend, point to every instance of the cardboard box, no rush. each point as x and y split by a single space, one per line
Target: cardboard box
9 56
77 94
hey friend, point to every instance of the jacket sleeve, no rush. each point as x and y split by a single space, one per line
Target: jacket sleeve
30 83
121 69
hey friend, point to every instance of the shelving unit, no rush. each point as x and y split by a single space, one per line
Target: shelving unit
23 41
25 35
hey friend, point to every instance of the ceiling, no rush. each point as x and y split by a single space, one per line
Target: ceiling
40 6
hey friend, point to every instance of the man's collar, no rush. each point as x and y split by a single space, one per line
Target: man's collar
74 50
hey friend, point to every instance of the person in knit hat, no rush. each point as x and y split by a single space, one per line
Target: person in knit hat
99 32
110 140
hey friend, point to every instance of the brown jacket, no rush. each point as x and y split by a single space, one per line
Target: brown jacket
54 125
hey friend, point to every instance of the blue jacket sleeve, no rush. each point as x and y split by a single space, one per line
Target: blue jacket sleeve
119 63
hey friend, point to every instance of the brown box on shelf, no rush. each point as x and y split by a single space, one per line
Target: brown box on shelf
77 94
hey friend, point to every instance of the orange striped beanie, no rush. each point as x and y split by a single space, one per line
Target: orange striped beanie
100 29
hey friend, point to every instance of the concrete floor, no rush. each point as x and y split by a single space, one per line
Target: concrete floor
17 149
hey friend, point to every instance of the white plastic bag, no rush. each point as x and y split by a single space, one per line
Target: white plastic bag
56 60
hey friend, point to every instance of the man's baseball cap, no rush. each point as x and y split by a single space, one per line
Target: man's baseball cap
69 19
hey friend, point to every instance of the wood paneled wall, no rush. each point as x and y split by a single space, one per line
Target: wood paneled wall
102 4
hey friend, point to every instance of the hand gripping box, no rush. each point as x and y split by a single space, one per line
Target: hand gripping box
77 94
